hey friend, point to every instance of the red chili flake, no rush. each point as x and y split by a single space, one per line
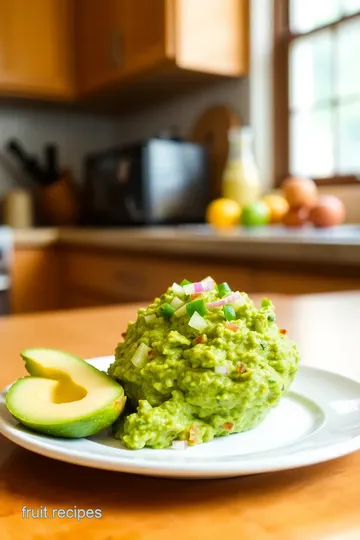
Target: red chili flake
201 339
151 353
195 295
283 331
193 434
123 335
232 326
228 426
240 368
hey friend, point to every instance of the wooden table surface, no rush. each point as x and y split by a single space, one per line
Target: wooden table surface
321 502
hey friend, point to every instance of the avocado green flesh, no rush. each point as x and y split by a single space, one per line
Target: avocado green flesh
64 396
179 390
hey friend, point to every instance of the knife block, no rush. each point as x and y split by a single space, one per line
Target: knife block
60 202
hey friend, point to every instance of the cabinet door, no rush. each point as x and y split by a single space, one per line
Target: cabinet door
36 47
146 31
97 24
213 36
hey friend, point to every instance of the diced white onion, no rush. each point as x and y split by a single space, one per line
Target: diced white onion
178 289
179 445
189 288
181 312
224 370
198 322
176 303
240 302
140 357
209 283
149 318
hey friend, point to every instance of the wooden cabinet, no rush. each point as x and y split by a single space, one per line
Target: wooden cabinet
144 41
97 42
159 45
60 277
118 277
295 282
36 48
119 52
35 281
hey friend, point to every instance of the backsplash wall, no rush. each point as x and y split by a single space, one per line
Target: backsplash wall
78 134
75 134
182 112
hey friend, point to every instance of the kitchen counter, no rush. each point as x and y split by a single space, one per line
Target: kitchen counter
337 246
320 501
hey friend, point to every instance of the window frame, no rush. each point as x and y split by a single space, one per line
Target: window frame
281 106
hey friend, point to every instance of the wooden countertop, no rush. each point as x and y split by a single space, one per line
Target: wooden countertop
337 246
314 503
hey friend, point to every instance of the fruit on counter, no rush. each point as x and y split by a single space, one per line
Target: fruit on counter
223 213
328 212
255 214
278 207
300 192
296 217
64 396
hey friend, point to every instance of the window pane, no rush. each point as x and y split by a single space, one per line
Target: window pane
311 148
348 58
350 6
311 70
349 137
308 14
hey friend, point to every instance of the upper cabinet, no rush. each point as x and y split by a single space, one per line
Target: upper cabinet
159 46
131 51
36 48
144 35
97 45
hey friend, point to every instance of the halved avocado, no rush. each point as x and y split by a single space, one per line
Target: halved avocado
64 396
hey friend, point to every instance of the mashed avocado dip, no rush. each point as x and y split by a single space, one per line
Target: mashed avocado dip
201 362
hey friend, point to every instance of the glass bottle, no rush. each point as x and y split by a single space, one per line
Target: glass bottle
241 181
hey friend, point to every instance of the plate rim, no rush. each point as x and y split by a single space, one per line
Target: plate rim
178 469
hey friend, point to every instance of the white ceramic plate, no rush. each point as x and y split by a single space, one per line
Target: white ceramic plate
318 421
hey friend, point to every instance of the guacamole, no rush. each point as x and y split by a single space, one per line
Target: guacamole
201 362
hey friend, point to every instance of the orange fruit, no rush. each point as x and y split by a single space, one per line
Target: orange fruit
223 213
300 192
278 207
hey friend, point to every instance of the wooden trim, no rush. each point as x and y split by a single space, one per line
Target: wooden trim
289 36
281 131
170 28
281 92
338 179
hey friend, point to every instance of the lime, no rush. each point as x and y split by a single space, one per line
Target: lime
256 213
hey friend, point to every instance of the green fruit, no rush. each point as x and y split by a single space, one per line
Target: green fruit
64 396
256 213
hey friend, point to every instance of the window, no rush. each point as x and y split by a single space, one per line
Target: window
317 89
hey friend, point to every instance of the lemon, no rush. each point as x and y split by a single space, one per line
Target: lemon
223 213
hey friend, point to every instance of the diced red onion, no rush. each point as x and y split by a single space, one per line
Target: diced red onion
197 322
178 289
205 285
149 318
176 303
140 357
234 297
179 445
224 370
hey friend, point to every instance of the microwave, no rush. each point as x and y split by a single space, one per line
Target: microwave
159 181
